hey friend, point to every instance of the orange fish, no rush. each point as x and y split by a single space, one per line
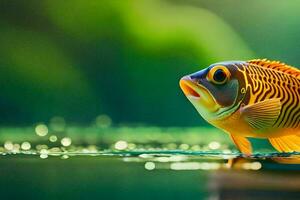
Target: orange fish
249 99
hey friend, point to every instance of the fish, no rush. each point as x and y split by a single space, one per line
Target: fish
258 98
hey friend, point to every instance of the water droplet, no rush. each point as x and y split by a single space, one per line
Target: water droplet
121 145
214 145
53 138
43 151
44 156
8 145
41 130
150 165
66 141
25 146
184 146
65 157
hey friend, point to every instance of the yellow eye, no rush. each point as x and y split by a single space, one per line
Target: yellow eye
218 74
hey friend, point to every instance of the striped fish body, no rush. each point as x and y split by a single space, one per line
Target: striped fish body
256 98
271 80
275 88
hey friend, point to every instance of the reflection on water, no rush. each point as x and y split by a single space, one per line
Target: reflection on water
121 164
145 175
159 159
54 140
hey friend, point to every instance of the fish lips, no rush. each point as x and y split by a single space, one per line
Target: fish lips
189 88
198 94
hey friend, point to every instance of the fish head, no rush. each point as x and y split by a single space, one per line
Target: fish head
216 91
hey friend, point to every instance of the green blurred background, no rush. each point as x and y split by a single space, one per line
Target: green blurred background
68 68
79 59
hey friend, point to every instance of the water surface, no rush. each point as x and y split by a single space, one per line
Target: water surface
140 163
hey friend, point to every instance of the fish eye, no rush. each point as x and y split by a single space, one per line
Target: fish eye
218 75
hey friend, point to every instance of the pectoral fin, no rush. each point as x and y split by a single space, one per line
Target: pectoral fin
262 115
288 143
242 144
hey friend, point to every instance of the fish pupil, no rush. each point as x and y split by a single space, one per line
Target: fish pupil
219 75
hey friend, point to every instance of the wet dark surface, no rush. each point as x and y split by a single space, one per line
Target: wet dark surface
159 164
146 176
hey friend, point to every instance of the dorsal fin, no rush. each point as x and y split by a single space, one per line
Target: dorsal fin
276 65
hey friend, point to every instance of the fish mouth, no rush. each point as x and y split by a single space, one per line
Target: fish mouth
189 88
199 96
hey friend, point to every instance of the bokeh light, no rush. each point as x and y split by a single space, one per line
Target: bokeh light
41 130
121 145
9 145
53 138
66 141
25 146
150 165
